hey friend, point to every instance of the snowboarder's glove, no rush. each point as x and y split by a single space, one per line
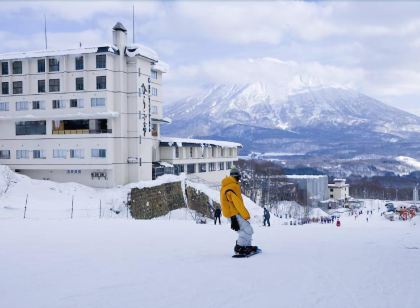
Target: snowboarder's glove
234 224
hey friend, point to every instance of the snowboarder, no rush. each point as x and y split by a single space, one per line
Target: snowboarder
338 224
217 213
266 217
233 207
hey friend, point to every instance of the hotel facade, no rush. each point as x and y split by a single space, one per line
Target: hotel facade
93 116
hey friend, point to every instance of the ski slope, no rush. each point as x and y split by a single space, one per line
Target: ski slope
89 262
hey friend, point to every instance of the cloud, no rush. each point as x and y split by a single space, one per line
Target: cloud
282 77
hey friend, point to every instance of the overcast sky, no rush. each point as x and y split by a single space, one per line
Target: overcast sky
372 47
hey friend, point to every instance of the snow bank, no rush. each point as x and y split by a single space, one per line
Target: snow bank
51 200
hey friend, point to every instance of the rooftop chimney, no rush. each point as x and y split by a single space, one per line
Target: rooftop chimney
119 36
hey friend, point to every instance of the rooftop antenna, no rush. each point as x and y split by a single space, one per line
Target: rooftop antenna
45 32
133 23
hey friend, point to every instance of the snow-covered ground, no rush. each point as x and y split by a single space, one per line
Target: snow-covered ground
49 260
173 263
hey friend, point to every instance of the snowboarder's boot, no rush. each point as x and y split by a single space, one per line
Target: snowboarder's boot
252 248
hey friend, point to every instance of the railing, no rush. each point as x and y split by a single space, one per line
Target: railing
81 131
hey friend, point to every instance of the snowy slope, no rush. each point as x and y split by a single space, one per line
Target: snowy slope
118 263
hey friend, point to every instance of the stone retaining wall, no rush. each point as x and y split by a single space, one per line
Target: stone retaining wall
151 202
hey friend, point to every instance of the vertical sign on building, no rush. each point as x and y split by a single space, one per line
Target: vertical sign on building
143 87
150 124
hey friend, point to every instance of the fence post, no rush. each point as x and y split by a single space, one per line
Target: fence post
100 208
72 199
26 203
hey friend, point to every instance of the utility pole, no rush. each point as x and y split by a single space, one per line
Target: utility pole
133 23
45 32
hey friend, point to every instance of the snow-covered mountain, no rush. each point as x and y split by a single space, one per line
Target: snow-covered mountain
318 122
252 105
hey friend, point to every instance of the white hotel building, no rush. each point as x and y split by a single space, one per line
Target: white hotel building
93 116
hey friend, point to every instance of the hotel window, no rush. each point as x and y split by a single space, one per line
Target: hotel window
176 152
228 165
17 87
4 88
213 151
100 82
58 104
38 105
221 166
79 84
222 152
98 153
41 86
4 106
190 168
76 103
59 153
191 151
212 166
4 154
100 61
53 65
97 102
41 65
54 85
77 153
202 167
38 154
22 154
17 67
22 106
154 92
154 74
5 68
79 63
179 168
155 132
31 128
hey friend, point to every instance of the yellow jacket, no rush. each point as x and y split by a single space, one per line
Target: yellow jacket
231 199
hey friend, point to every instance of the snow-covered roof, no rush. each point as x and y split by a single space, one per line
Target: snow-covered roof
161 66
180 141
141 50
53 53
302 177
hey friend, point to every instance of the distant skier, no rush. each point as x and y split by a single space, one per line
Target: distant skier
266 217
338 223
233 207
217 213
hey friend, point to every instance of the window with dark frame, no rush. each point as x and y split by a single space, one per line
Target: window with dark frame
41 86
53 65
73 103
79 63
31 128
54 85
41 65
37 105
100 82
100 61
17 67
202 167
4 154
17 87
5 68
4 88
79 84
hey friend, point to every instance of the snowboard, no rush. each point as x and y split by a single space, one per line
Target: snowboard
247 255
